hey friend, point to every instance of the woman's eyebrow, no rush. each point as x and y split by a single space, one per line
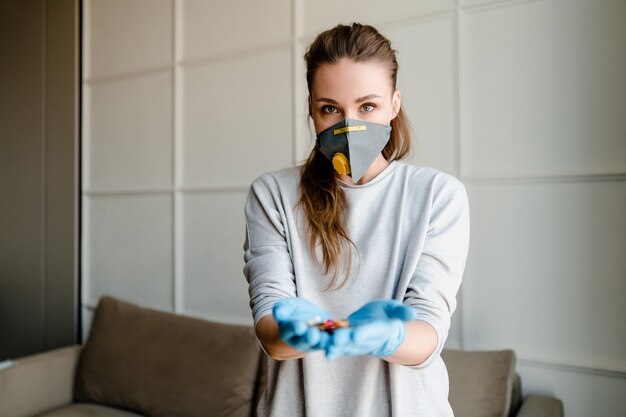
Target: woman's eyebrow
367 97
358 100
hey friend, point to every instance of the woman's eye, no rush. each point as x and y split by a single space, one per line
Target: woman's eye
367 107
329 109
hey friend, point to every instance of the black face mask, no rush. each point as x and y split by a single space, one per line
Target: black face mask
352 145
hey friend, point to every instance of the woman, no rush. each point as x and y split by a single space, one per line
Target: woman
355 233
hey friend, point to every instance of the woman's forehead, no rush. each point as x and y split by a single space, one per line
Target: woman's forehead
348 80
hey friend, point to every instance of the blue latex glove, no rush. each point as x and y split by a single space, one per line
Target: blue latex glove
292 315
377 329
382 310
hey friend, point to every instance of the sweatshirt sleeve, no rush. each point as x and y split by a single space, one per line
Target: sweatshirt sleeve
437 277
268 267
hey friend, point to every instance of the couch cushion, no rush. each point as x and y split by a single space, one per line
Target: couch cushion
88 410
162 364
516 395
480 382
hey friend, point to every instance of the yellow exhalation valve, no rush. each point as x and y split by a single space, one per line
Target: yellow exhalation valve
341 163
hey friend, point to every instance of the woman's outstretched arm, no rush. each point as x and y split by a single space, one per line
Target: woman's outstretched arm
267 332
419 343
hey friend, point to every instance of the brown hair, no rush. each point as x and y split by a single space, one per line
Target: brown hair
321 197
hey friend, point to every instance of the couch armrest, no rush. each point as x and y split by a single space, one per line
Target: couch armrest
541 406
39 382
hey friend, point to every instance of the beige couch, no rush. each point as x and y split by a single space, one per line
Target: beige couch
143 362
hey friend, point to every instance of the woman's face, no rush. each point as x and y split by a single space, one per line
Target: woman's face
352 90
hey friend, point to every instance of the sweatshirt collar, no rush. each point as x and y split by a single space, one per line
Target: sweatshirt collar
382 174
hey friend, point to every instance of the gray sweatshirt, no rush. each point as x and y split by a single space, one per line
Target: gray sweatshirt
411 227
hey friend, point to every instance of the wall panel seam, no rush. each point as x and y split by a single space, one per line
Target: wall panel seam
570 367
494 4
294 49
133 192
395 22
199 61
236 53
457 142
544 179
166 191
128 75
416 20
177 213
457 94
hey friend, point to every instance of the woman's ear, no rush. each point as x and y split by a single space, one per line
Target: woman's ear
396 101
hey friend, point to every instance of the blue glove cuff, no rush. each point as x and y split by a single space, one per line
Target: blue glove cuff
395 340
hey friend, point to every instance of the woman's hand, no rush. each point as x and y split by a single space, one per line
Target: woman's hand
377 329
292 315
